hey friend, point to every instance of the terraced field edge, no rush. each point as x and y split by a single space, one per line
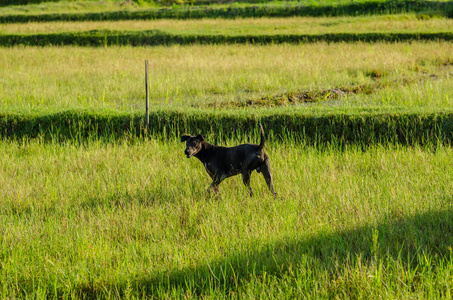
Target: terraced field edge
256 10
363 128
99 38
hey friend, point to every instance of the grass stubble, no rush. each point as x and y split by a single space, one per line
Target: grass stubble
134 219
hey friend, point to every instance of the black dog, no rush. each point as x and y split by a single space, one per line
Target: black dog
223 162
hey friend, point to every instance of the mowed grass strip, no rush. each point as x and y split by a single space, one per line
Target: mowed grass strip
135 219
407 23
61 78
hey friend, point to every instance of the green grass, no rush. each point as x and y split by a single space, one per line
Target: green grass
136 219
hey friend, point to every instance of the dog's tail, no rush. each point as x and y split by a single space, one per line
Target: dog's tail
261 145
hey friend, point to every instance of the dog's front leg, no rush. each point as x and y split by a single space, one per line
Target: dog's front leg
214 187
216 180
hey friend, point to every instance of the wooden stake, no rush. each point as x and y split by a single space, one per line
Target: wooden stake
147 96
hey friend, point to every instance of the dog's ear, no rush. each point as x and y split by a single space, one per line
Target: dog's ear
201 137
185 138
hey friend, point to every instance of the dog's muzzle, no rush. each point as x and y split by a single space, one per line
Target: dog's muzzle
188 155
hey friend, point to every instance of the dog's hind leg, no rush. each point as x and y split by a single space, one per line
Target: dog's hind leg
246 179
265 169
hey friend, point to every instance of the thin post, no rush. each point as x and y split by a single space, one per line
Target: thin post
147 96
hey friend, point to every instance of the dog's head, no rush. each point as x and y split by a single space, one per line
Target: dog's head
193 144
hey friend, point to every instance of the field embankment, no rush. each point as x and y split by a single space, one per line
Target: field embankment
157 38
275 9
320 129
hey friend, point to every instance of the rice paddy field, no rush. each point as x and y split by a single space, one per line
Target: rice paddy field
120 213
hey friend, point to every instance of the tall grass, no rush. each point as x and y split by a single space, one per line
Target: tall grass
55 78
135 219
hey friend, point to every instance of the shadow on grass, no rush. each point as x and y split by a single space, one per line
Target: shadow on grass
122 200
428 234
